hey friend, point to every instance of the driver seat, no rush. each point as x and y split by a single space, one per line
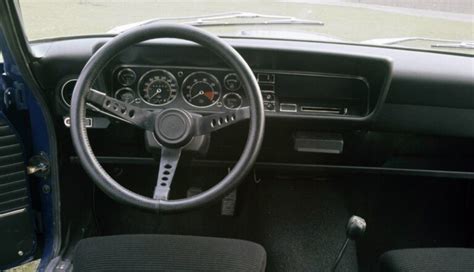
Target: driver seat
145 252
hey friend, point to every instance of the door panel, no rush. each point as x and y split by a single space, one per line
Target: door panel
17 235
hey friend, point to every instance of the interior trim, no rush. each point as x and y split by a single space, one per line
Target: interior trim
327 168
10 213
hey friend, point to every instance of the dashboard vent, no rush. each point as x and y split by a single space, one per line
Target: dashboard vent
67 89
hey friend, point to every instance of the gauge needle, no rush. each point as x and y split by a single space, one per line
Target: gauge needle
155 94
198 94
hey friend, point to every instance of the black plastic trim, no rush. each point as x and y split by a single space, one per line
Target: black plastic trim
298 167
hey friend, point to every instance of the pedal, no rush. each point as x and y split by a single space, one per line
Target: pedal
228 204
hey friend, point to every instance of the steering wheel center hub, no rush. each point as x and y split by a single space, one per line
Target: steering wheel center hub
173 127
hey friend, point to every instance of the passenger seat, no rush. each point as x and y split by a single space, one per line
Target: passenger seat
428 259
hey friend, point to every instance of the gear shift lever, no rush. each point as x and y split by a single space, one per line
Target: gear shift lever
355 229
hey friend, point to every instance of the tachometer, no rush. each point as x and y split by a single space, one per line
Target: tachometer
158 87
201 89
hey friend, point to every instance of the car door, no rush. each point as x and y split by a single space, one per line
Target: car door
17 228
29 187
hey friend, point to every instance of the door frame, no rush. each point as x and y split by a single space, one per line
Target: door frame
17 55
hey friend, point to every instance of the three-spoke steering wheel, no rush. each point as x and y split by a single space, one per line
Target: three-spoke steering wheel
173 128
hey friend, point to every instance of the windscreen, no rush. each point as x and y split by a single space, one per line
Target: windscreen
441 25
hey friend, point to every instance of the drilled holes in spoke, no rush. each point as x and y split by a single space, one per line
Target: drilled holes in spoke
165 175
118 108
223 120
168 164
214 122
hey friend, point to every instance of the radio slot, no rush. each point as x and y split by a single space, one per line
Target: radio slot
324 110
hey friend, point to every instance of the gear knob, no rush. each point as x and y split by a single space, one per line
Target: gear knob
355 227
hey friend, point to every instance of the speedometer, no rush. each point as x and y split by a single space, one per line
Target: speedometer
201 89
158 87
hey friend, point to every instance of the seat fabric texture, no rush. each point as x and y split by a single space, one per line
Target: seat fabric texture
428 259
167 253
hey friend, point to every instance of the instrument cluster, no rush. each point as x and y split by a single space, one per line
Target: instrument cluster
209 88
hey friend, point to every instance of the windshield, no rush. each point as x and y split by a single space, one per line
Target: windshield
441 25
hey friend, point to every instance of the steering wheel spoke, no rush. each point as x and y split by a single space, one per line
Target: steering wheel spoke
209 123
168 163
120 110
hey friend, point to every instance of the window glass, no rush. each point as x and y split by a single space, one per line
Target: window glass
444 25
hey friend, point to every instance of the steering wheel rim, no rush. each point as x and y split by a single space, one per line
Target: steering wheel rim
99 61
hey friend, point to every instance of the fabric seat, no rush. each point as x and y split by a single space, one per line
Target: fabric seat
167 253
428 259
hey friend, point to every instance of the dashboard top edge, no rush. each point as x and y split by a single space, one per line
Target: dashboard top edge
403 59
235 39
43 49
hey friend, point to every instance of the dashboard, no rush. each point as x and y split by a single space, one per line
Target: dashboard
325 104
347 86
207 89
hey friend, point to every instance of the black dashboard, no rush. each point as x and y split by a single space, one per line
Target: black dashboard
375 107
293 85
215 89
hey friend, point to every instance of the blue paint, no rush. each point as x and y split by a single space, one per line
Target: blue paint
36 143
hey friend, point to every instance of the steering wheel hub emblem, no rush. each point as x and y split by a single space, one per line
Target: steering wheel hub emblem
173 127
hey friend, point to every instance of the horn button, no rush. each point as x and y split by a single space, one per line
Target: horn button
173 127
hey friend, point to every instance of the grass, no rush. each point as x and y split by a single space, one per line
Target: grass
43 18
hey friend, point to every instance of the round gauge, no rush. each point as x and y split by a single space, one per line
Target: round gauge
232 101
201 89
158 87
126 95
66 91
126 77
232 82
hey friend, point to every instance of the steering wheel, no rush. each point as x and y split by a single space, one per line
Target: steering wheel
173 128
